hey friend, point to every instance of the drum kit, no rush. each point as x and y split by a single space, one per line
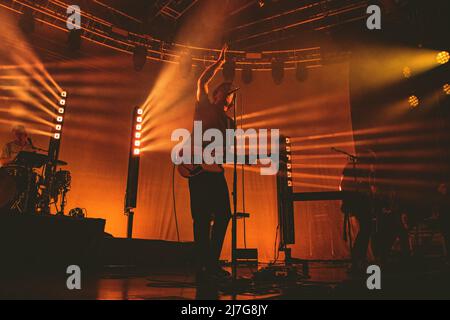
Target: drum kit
25 188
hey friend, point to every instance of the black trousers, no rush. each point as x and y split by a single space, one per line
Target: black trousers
359 206
211 213
359 252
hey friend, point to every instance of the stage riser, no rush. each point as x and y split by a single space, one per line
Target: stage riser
146 253
31 243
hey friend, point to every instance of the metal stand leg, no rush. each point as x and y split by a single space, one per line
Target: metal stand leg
130 224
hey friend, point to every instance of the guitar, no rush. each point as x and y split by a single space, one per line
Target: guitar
192 170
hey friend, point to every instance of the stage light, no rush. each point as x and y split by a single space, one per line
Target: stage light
139 57
61 110
407 72
287 142
301 72
133 168
62 102
58 127
247 74
57 136
137 135
413 101
64 94
229 70
446 89
277 71
443 57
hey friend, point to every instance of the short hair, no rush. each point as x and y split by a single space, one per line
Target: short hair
18 129
223 86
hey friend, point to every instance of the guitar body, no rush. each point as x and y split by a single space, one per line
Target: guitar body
192 170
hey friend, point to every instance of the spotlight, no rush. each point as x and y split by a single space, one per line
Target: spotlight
247 74
413 101
139 57
443 57
407 72
137 135
301 72
133 168
277 71
64 94
229 70
446 89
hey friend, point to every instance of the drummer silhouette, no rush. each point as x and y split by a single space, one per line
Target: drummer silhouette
20 143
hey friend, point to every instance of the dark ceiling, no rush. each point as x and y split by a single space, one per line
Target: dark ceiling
267 24
246 24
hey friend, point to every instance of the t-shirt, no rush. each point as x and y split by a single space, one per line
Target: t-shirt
212 116
12 149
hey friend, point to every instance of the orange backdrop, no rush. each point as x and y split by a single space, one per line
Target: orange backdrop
103 90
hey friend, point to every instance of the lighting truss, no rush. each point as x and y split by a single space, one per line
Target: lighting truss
97 30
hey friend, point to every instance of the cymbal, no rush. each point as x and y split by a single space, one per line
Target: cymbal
61 163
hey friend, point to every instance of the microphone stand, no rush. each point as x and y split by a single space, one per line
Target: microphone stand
234 217
34 147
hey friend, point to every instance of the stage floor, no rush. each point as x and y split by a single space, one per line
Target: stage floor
328 280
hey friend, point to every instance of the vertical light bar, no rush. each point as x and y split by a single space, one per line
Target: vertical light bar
137 136
59 118
53 151
288 162
133 167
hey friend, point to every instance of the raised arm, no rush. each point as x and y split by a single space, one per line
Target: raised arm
209 73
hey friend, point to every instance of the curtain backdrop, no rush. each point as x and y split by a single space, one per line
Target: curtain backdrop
103 90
